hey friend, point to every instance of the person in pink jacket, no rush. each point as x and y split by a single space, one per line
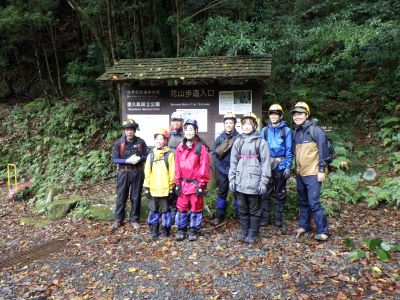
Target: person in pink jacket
192 173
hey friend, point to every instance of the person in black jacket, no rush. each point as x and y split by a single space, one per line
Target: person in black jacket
222 161
129 154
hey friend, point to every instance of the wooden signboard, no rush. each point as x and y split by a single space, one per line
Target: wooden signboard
151 107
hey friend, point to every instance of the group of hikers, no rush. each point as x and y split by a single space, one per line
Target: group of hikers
253 166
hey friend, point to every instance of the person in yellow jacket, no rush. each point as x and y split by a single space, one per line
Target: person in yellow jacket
159 174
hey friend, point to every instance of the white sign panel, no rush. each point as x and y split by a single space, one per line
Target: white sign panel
200 115
219 128
148 124
238 102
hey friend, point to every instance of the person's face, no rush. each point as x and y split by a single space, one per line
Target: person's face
229 125
299 118
274 118
247 126
190 132
176 124
129 133
159 141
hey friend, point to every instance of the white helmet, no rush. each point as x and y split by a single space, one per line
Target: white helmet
176 116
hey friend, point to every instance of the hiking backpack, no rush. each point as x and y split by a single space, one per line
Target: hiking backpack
331 149
257 147
165 158
265 133
329 143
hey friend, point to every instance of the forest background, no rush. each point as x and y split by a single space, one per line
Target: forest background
58 123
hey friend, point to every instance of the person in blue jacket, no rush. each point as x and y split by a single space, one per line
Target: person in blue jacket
280 139
222 162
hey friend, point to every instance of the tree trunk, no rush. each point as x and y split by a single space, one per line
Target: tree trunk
111 33
40 76
94 31
49 71
178 20
139 39
53 40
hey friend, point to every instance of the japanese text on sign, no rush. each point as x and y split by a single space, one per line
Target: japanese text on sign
189 93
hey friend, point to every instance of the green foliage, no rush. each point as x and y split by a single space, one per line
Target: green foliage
51 146
341 187
395 161
388 192
390 126
377 246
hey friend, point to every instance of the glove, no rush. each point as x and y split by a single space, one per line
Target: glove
232 186
262 190
200 191
178 190
134 159
287 173
147 193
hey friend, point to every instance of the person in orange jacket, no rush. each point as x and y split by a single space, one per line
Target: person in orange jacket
192 173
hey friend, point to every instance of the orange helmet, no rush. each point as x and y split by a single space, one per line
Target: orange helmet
163 132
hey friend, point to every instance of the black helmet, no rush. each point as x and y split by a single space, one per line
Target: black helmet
130 123
192 122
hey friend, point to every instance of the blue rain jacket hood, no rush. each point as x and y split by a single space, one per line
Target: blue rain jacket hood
277 146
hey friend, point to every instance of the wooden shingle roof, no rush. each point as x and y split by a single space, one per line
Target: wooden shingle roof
240 67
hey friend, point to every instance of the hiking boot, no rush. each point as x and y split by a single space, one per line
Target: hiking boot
250 239
321 237
165 232
154 232
181 235
278 220
192 236
265 221
241 236
300 231
135 225
115 225
216 221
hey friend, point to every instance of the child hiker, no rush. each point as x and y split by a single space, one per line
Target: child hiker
192 173
250 170
159 184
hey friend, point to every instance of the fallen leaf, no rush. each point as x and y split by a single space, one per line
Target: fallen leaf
377 270
132 270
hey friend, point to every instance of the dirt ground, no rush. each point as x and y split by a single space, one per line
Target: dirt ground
87 261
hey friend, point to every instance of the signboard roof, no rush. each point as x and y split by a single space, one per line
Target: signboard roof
239 67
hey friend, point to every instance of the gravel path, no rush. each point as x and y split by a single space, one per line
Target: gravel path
126 265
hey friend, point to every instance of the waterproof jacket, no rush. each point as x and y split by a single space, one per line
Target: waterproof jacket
247 170
279 147
310 154
137 146
191 170
222 165
158 178
175 137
